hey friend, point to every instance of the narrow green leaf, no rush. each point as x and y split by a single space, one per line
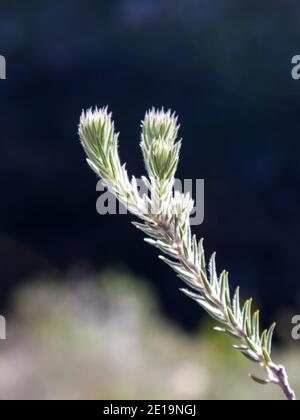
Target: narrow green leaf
202 257
251 345
223 286
234 334
213 270
269 337
264 339
220 330
249 308
240 347
251 356
248 328
255 326
231 317
206 282
266 356
227 293
246 318
195 250
259 380
236 303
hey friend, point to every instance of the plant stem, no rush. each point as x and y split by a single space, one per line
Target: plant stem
169 229
277 373
282 380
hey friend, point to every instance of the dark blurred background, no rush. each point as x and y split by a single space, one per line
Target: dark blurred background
224 66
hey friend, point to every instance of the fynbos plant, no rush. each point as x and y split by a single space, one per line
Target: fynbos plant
168 228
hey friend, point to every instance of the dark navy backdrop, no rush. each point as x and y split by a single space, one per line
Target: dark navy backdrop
224 66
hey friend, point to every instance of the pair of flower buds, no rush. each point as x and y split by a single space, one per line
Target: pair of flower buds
158 142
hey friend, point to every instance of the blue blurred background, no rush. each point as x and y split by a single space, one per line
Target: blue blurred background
224 66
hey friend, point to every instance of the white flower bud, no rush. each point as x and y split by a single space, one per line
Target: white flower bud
161 153
97 134
159 124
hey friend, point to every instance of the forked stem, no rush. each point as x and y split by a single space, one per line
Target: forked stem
169 229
